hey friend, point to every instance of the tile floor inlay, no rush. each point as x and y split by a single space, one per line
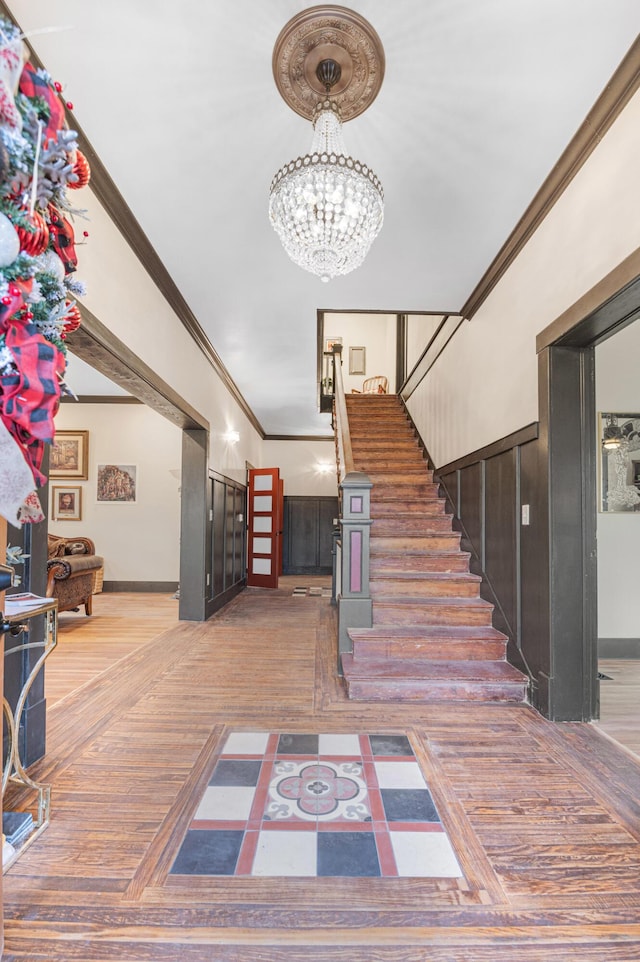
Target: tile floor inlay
309 805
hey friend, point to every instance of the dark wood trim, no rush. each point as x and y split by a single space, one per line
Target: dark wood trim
100 399
401 351
522 436
619 648
194 563
215 604
160 587
607 108
299 437
94 343
601 311
106 191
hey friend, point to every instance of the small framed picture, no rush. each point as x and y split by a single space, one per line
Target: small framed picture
69 456
619 441
357 360
66 503
329 343
117 483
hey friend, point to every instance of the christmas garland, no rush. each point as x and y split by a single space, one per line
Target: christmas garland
39 163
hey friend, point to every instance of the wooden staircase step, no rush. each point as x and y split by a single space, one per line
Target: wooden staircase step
414 474
394 526
422 584
407 509
407 610
377 463
418 561
444 540
411 490
433 681
434 642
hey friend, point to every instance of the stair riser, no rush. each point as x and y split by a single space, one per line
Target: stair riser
419 563
410 614
424 691
435 650
437 542
392 528
402 491
418 509
424 588
393 464
399 478
389 446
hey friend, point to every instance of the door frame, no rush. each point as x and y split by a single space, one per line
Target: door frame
566 365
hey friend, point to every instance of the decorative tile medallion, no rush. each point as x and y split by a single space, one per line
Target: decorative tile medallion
310 805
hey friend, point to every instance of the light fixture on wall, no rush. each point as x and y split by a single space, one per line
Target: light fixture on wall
325 467
612 436
326 207
232 437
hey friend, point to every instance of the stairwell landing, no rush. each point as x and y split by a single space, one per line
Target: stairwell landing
432 637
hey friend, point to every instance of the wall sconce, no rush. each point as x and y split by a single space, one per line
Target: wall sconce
325 467
232 437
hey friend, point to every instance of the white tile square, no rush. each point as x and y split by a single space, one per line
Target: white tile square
399 775
246 743
227 803
424 855
339 745
286 854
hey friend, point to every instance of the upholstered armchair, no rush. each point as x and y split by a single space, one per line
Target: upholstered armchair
74 572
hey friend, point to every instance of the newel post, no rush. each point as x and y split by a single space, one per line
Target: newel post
354 601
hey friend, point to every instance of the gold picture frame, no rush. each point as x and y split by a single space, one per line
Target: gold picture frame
66 503
69 456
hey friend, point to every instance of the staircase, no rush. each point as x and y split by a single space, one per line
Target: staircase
432 638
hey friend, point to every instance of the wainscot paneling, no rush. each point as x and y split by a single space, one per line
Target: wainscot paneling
308 527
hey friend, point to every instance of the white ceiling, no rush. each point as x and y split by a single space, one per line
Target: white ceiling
480 98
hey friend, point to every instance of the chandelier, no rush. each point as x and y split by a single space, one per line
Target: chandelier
327 207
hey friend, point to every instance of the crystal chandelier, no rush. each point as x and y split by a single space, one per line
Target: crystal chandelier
326 207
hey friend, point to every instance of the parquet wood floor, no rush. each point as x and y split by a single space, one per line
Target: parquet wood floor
545 818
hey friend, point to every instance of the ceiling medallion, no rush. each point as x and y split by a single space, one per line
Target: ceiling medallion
327 208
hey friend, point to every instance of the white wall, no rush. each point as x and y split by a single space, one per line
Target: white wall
124 297
375 332
618 389
300 465
139 542
484 386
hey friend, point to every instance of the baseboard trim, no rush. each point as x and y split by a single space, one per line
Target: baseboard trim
619 647
161 587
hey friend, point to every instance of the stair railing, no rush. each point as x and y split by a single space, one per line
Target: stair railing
351 560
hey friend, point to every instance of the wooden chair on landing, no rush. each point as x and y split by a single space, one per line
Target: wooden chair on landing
373 385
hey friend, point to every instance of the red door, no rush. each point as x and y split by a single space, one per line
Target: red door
265 527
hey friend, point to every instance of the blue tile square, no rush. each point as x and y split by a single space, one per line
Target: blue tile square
390 745
231 771
206 852
297 745
352 854
408 805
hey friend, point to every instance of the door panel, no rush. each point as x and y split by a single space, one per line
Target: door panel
265 524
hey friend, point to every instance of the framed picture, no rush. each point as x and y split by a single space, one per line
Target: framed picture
117 483
357 360
69 456
329 342
619 443
66 503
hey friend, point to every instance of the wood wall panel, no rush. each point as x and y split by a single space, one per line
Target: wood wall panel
501 547
308 527
471 505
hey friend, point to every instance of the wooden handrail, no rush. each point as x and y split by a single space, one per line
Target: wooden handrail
343 436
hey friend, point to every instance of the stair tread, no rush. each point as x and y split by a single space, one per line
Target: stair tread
446 672
382 576
454 632
428 601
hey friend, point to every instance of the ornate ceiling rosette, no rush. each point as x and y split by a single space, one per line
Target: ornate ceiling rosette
321 33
